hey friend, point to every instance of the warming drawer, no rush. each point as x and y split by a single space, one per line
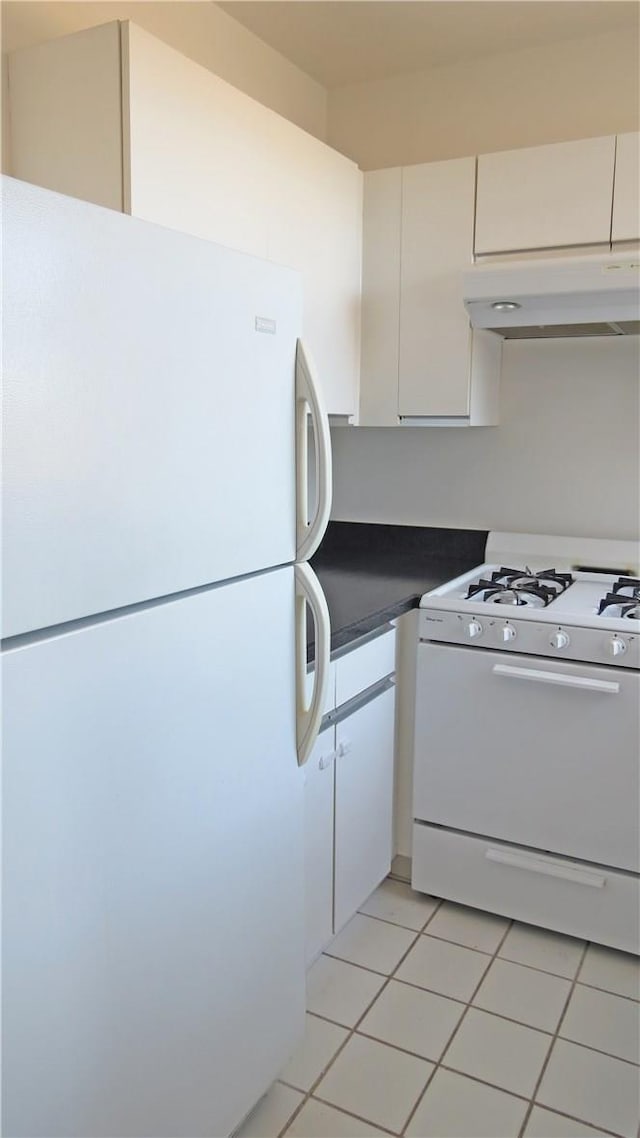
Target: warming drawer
587 901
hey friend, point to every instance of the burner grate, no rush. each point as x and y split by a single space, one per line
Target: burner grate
623 600
520 587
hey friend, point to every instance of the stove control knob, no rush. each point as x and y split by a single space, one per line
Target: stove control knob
508 633
474 628
617 646
560 639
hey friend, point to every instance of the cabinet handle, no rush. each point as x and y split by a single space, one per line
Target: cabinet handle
344 748
308 719
326 760
309 398
585 683
547 867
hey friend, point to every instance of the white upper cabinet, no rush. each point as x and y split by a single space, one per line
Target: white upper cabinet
66 115
421 364
115 116
545 197
315 226
381 235
196 147
626 192
436 245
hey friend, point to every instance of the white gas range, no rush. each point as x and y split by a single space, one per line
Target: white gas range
527 742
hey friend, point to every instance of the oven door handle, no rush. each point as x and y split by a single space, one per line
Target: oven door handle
561 679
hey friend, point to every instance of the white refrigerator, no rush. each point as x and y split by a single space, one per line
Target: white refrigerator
153 672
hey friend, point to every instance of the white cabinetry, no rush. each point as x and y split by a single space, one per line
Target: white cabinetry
437 242
626 193
545 197
195 154
115 116
381 237
348 791
315 226
420 361
364 804
318 776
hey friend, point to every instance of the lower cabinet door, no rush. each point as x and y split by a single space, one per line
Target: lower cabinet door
363 803
318 775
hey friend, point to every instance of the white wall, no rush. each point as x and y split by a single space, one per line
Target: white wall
199 30
576 89
563 461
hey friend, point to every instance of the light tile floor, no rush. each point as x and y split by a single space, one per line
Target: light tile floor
431 1020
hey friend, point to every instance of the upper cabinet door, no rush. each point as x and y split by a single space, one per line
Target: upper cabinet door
315 226
626 194
382 226
437 244
196 147
544 197
66 115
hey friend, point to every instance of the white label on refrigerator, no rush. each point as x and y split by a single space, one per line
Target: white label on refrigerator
265 324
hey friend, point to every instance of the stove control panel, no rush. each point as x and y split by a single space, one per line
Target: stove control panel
538 638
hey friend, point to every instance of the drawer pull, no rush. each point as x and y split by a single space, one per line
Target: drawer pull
326 760
547 867
586 683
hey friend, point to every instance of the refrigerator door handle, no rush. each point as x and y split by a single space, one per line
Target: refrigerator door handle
309 398
308 718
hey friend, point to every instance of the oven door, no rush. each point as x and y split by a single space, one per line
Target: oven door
529 750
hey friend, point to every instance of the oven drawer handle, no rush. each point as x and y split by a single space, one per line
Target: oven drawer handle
586 683
548 868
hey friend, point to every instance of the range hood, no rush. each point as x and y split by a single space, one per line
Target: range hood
556 297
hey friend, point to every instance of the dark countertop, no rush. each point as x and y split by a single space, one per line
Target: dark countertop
371 573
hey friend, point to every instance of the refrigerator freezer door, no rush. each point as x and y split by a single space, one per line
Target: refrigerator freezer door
149 410
153 895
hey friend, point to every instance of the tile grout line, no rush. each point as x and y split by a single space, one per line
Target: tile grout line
607 991
352 1030
554 1040
397 924
457 1027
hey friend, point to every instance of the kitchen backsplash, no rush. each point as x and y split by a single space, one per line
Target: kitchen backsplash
565 459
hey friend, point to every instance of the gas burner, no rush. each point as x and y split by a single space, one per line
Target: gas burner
516 596
520 587
616 604
518 579
623 600
628 587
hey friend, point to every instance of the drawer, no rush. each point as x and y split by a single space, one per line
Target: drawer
363 666
577 898
330 697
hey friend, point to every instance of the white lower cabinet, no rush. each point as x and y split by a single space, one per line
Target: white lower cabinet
318 844
364 804
348 798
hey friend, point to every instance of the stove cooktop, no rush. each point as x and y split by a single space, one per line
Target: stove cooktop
540 608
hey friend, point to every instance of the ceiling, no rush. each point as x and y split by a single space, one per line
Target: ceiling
339 42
